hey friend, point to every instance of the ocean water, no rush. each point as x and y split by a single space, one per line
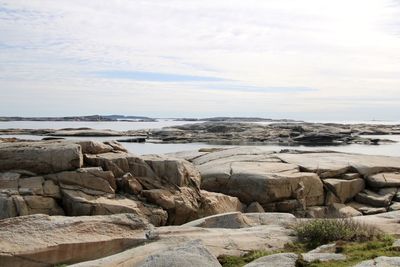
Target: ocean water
392 149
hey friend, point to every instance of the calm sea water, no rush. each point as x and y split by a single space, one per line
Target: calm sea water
150 148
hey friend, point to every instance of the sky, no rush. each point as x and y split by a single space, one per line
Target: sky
309 59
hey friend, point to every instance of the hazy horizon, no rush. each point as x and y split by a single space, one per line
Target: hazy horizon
304 60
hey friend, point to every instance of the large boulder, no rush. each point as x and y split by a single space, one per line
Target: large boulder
216 203
385 179
77 203
192 253
42 240
87 178
279 259
40 157
341 191
381 261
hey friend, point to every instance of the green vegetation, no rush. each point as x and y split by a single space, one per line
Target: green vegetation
359 242
323 231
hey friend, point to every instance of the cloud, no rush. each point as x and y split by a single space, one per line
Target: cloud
264 56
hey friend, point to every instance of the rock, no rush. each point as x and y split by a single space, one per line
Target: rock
50 189
41 240
230 220
175 171
366 209
381 261
350 176
341 191
280 259
43 205
394 206
328 248
7 207
385 179
254 207
216 203
9 183
263 182
317 212
38 157
371 198
31 185
87 178
192 253
77 203
182 207
396 245
94 147
272 218
129 184
322 257
387 222
116 146
342 211
334 164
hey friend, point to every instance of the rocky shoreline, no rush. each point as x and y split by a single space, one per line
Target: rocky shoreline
188 207
234 133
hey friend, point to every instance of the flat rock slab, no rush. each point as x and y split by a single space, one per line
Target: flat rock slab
40 157
280 259
386 179
42 240
334 164
388 222
310 257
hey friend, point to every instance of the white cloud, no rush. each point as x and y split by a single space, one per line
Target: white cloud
345 49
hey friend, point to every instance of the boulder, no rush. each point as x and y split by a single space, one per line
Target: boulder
371 198
387 222
341 191
280 259
263 182
394 206
230 220
381 261
42 240
31 185
385 179
337 210
9 183
43 205
322 257
77 203
254 207
39 157
51 189
366 209
94 147
129 184
216 203
7 207
87 178
192 253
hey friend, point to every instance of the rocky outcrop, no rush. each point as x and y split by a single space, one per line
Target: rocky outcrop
279 259
42 240
381 261
40 157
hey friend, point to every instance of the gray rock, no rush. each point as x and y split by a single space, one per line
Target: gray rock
254 207
341 191
385 179
371 198
366 209
39 157
280 259
192 253
230 220
310 257
31 185
382 261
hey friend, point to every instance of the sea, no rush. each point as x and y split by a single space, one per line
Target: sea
392 149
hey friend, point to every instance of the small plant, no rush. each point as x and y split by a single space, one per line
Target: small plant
323 231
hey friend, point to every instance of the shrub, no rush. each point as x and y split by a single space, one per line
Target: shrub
322 231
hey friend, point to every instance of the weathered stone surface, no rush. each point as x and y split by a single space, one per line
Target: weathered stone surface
264 182
192 253
310 257
350 176
316 212
254 207
43 205
230 220
129 184
175 171
87 178
371 198
40 157
41 240
7 207
342 211
394 206
341 191
182 207
280 259
381 261
31 185
385 179
216 203
387 222
366 209
50 189
77 203
9 183
336 164
328 248
94 147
